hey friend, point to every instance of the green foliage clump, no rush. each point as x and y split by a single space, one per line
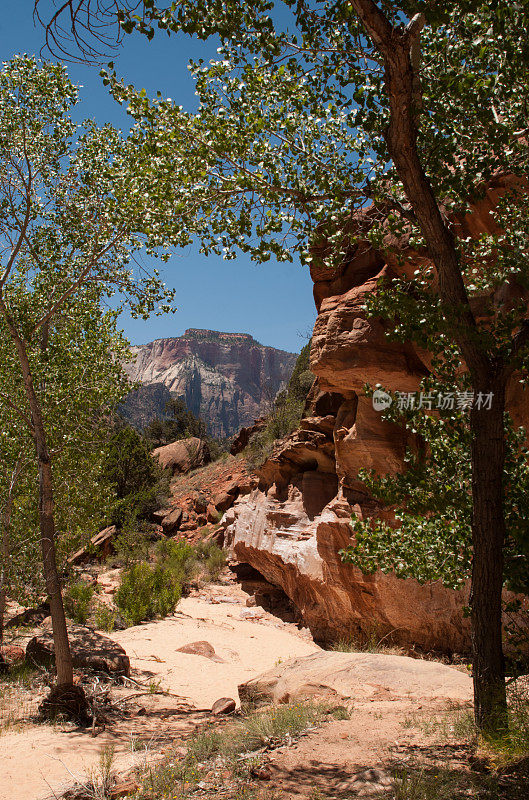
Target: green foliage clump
433 502
77 601
153 590
179 424
135 476
302 378
104 618
147 591
131 545
179 557
213 559
188 561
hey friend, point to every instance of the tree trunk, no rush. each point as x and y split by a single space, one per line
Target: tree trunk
488 535
488 435
63 658
4 545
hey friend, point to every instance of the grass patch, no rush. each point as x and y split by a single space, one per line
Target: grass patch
514 745
500 763
212 560
367 641
438 782
18 687
435 784
234 747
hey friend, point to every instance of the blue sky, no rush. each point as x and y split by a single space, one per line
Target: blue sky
273 301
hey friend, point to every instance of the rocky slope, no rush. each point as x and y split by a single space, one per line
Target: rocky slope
228 379
292 528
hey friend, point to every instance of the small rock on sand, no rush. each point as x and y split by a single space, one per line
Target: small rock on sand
224 705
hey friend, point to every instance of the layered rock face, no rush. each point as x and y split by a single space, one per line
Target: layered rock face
228 379
294 526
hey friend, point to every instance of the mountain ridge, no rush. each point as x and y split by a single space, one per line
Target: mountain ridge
226 378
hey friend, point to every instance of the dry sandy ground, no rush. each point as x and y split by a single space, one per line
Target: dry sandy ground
38 761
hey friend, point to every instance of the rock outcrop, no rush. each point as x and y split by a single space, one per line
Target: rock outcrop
358 676
90 650
183 455
228 379
292 528
294 540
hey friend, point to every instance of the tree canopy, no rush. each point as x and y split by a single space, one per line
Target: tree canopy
69 198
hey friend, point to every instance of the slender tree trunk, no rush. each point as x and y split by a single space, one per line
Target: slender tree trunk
63 658
488 444
488 536
4 548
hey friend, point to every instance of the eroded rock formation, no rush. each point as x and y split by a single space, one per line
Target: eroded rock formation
292 528
228 379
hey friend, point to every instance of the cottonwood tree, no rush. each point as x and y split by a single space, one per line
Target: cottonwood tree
81 365
69 196
314 110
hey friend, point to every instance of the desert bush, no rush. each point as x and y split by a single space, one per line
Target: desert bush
148 591
131 545
77 601
180 558
369 640
213 559
139 483
104 618
174 777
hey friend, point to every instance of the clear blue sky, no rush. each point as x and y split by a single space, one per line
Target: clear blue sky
273 301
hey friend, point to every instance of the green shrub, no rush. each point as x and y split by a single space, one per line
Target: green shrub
77 601
180 558
137 479
105 618
131 545
213 559
147 592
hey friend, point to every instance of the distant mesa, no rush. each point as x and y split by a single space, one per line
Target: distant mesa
228 379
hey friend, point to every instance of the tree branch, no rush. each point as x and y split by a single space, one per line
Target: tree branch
401 138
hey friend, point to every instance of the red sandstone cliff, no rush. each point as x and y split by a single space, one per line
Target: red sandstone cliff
292 528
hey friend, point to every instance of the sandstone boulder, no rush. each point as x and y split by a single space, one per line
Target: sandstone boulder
224 705
10 655
204 649
101 546
358 676
294 544
200 503
183 455
245 434
223 501
90 650
171 522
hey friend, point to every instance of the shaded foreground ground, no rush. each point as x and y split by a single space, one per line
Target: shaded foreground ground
388 742
40 760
